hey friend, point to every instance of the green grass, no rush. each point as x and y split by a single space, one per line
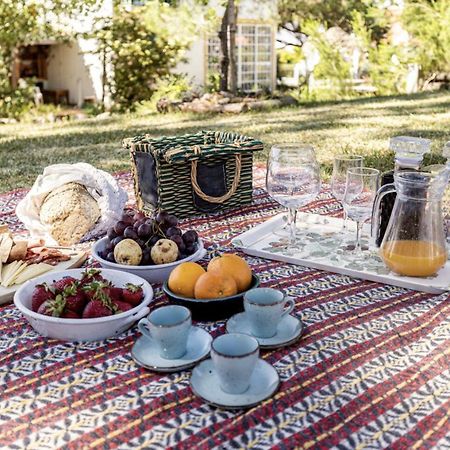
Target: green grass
360 126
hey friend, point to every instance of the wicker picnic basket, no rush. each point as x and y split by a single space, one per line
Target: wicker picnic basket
194 173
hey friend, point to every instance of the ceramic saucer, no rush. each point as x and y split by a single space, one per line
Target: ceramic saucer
264 381
146 354
289 330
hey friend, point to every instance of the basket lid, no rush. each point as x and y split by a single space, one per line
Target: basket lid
188 147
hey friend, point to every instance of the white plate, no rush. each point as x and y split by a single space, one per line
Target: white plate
289 330
146 354
264 381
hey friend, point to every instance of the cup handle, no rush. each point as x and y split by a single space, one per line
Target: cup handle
290 303
142 325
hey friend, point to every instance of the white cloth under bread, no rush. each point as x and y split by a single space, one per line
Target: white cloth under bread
111 198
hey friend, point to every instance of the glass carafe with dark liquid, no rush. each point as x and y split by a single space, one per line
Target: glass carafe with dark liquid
409 153
414 242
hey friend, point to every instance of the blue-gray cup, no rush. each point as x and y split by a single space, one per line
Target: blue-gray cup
168 327
234 358
265 307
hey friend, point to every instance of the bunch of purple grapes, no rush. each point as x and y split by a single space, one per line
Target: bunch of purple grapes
147 231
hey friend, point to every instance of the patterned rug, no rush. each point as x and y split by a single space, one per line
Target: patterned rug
371 371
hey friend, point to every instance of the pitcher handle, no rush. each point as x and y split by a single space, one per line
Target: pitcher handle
376 210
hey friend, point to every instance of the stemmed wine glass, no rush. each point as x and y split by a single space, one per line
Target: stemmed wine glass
360 191
341 163
293 179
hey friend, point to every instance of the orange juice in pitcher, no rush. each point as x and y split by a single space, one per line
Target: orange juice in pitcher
414 243
413 258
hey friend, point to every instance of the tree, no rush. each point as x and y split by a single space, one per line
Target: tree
227 37
330 13
25 21
142 45
428 24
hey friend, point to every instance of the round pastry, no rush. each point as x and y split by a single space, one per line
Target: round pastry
70 211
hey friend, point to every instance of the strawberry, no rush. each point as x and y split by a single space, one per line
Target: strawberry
132 294
41 293
115 293
75 298
96 308
90 275
69 314
120 306
100 303
53 307
63 282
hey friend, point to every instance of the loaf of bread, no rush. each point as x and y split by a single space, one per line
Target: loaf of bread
70 212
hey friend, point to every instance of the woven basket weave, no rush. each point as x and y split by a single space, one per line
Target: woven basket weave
194 173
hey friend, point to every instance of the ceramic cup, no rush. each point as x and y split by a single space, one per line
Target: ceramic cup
234 357
169 327
265 307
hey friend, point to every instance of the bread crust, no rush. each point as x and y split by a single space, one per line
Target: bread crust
70 212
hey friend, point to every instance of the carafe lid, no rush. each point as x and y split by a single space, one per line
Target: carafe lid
409 150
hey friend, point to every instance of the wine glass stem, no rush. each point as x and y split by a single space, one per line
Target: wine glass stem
292 225
358 238
344 222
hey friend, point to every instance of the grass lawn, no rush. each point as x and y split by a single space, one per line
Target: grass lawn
360 126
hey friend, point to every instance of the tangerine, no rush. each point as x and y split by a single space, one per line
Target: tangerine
182 279
235 266
215 285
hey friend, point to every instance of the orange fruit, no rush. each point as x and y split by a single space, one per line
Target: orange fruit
235 266
182 279
215 285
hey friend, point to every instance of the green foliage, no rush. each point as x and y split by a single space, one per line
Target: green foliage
213 83
172 88
142 46
15 103
429 24
23 22
290 56
387 64
330 13
332 67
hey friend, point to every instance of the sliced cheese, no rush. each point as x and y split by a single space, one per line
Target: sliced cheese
32 271
19 270
8 271
14 269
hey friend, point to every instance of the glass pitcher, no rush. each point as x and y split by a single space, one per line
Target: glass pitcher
414 242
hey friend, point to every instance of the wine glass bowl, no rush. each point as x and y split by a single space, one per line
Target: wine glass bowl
360 191
293 179
341 164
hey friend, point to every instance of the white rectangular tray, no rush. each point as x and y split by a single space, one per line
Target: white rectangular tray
323 246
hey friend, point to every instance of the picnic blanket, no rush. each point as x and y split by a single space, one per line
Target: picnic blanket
371 371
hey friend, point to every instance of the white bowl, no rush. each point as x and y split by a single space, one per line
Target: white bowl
154 274
83 329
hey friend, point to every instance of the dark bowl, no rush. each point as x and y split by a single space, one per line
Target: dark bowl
214 308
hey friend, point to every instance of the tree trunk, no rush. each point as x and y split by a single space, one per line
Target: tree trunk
224 57
232 12
14 68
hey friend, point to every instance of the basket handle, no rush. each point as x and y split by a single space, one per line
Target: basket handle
223 198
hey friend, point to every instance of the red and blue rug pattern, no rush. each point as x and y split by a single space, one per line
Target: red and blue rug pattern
371 371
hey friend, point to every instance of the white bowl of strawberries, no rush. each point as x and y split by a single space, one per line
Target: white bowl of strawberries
84 304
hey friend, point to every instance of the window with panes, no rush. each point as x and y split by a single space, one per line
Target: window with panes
253 54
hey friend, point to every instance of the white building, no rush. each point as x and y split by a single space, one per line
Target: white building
72 72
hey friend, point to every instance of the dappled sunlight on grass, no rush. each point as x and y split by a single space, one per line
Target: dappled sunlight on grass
359 126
